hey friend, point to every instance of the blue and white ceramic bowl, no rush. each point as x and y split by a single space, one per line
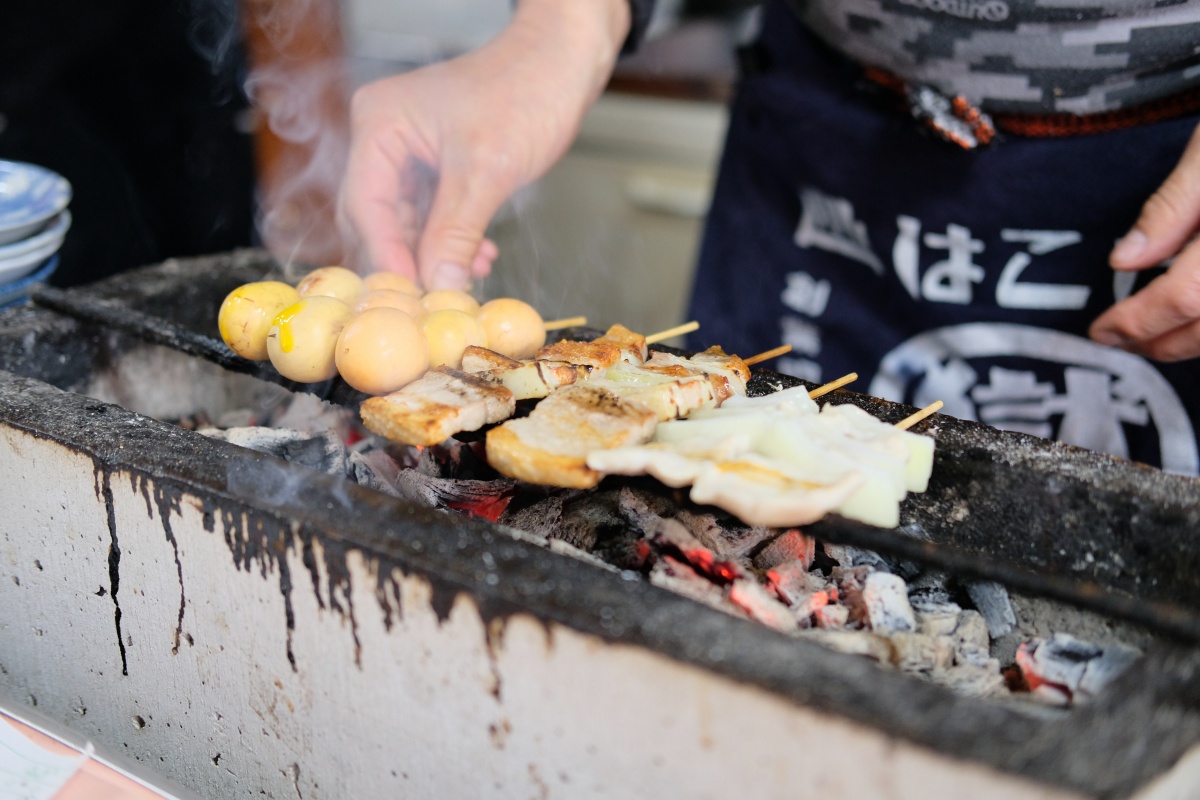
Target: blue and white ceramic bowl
19 258
17 292
29 197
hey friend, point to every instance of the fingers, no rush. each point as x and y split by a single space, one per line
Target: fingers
453 248
1162 321
377 220
1168 219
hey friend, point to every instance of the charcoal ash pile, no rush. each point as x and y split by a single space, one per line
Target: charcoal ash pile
967 636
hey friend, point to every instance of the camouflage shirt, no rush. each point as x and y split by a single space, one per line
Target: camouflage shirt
1077 56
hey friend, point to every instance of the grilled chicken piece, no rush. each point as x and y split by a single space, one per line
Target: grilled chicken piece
537 379
759 491
435 407
634 344
551 445
668 396
617 345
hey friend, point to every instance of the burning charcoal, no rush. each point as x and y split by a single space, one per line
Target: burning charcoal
752 598
638 505
810 605
323 452
727 537
855 643
831 617
916 652
848 556
793 582
543 518
682 579
1063 669
376 470
886 599
480 498
790 546
971 639
971 680
992 601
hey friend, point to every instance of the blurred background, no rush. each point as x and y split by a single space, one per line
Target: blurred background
198 126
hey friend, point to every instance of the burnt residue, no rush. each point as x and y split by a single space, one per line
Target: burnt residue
285 589
337 578
168 502
387 594
114 557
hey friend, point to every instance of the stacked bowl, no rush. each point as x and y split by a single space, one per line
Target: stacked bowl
33 223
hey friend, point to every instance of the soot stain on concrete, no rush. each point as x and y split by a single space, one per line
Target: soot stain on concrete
104 480
169 501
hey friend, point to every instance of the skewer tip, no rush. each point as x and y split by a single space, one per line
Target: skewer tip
669 333
913 419
568 322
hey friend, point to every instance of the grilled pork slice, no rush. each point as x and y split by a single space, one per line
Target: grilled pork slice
480 359
551 445
435 407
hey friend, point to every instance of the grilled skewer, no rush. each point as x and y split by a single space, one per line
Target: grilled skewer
433 408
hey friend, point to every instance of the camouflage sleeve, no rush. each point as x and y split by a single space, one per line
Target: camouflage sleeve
1076 56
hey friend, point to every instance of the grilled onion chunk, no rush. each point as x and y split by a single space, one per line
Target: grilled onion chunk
775 460
552 444
433 408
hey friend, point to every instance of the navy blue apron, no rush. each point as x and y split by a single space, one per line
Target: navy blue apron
841 227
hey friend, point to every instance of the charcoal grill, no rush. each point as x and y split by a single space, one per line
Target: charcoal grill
246 625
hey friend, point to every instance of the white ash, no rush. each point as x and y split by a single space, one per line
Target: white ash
848 556
885 598
323 451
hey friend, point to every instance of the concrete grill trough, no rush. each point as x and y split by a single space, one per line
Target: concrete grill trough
248 626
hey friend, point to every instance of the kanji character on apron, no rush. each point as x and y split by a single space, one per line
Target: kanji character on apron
843 228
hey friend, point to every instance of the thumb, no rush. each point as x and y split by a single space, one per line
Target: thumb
1169 217
455 228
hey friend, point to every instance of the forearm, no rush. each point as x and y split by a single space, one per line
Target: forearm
585 36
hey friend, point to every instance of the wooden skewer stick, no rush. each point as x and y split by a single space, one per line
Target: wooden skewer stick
559 324
768 355
913 419
678 330
829 387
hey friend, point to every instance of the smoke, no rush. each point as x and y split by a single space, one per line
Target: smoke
288 60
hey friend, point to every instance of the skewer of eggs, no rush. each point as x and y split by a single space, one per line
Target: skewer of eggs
379 332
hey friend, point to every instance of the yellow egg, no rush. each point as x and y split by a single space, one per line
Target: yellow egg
337 282
449 332
393 281
513 328
391 298
303 336
450 298
382 350
246 315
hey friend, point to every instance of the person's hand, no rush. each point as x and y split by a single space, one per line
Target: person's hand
435 152
1162 320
